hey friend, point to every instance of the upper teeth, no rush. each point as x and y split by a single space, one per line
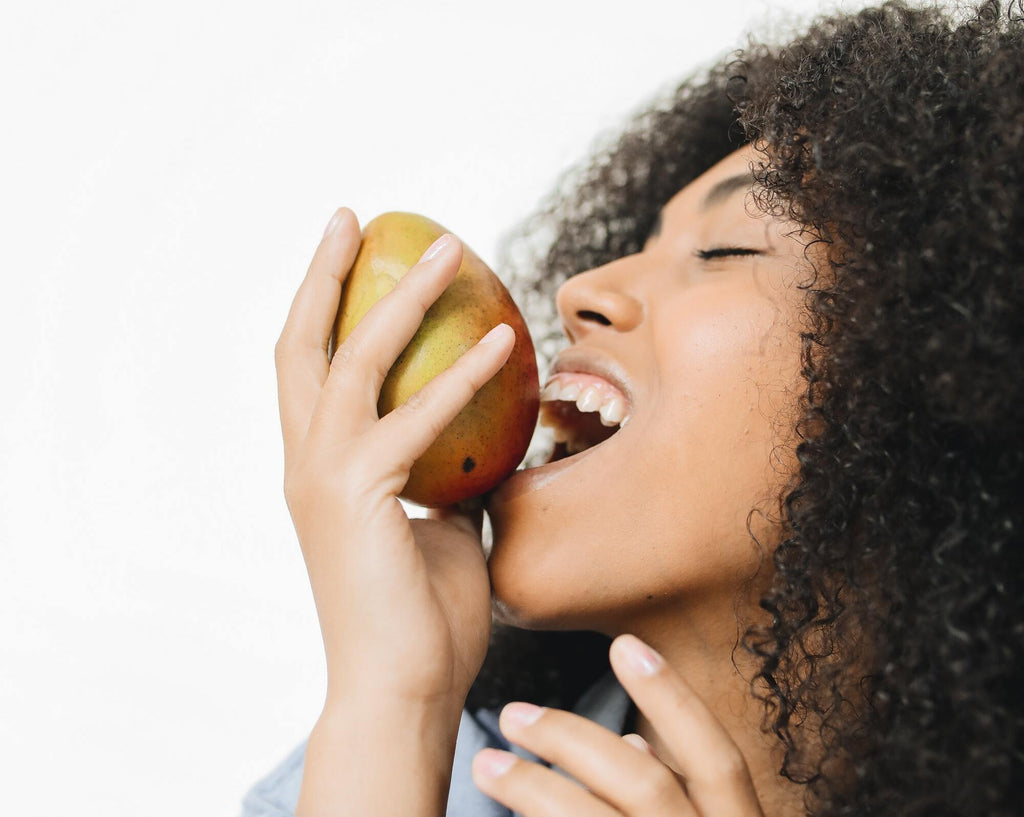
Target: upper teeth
607 402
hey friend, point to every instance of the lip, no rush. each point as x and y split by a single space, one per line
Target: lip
577 360
570 360
524 481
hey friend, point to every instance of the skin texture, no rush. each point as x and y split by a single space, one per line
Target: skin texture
702 343
709 352
397 679
712 355
894 134
622 775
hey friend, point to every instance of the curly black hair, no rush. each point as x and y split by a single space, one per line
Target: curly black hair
890 670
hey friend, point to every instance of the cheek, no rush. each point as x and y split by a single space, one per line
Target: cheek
728 396
667 516
730 358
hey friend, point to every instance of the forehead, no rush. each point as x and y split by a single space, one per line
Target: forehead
703 195
717 183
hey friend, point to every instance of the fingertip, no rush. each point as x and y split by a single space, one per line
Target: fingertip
617 649
341 215
634 656
498 333
491 763
638 742
446 244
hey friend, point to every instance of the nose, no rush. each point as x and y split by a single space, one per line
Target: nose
597 298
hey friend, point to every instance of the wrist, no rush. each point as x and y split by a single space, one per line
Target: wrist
384 696
384 757
373 715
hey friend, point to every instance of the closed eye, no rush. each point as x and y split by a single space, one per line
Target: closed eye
722 252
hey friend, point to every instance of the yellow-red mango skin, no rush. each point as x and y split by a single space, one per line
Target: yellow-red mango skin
489 437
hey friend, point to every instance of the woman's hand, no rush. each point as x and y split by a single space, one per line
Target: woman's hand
404 606
622 776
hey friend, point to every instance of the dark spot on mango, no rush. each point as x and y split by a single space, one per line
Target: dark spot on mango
468 465
649 596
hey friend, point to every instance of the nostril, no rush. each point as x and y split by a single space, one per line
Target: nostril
587 315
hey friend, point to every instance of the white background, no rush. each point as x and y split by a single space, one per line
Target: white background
167 170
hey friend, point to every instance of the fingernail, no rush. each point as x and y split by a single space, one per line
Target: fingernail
495 333
640 658
635 740
521 713
437 247
493 762
335 221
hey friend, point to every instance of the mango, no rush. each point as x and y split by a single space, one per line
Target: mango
489 437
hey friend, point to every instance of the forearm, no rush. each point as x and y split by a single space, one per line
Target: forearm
363 759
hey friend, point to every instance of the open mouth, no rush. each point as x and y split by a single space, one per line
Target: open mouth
582 411
578 413
574 431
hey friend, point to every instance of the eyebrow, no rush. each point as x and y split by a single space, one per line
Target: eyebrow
716 195
725 188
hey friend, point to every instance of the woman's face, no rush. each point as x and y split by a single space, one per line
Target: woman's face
705 350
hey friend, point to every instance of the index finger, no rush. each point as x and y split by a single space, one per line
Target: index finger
718 781
301 351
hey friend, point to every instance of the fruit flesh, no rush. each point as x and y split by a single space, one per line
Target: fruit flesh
489 437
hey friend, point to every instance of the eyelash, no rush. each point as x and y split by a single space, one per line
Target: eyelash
722 252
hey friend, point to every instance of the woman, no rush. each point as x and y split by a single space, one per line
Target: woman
803 288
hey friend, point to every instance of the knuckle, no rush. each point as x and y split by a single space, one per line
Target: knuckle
472 386
727 765
380 371
356 359
411 287
282 349
296 488
423 301
656 788
418 409
345 355
416 403
461 382
543 800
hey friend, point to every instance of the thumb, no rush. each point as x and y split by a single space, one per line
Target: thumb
467 515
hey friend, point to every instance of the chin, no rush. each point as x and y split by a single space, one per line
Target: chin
535 588
527 595
520 596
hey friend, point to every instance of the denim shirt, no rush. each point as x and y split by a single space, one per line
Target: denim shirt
605 703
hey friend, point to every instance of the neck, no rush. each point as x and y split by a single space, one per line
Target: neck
699 642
